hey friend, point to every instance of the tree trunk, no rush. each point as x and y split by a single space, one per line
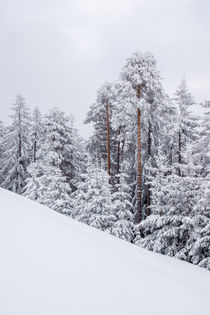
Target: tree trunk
118 153
19 147
35 147
149 154
139 210
179 155
118 156
19 138
122 150
108 139
149 141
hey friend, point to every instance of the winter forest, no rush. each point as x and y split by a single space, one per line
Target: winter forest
142 176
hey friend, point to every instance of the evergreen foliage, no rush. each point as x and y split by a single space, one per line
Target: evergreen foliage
16 144
144 174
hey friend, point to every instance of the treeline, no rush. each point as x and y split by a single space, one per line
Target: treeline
144 174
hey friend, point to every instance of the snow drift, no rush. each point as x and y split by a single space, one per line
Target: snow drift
50 264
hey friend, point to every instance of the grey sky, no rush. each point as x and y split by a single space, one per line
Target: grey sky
59 52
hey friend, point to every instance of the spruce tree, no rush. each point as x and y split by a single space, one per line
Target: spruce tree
92 201
51 173
36 132
168 229
184 127
16 143
123 208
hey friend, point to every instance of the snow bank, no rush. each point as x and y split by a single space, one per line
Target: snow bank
50 264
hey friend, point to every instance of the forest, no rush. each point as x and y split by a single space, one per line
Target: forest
142 176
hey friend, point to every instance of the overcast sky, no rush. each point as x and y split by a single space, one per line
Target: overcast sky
59 52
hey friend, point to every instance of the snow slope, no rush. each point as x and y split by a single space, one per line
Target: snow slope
50 264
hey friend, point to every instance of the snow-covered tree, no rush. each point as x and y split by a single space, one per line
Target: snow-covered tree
123 208
200 253
202 145
174 197
184 127
103 144
52 188
36 132
92 200
141 72
16 143
199 243
51 173
123 99
2 132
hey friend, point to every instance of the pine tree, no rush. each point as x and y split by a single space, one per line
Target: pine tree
103 143
16 145
123 99
141 71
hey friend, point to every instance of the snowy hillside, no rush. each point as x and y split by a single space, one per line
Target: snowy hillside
50 264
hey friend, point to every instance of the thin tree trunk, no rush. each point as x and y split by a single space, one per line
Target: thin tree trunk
35 148
118 153
118 156
149 141
108 139
19 137
123 146
20 146
148 212
122 150
139 210
148 186
171 157
179 155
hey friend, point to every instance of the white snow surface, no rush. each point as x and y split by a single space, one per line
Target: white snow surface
51 264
